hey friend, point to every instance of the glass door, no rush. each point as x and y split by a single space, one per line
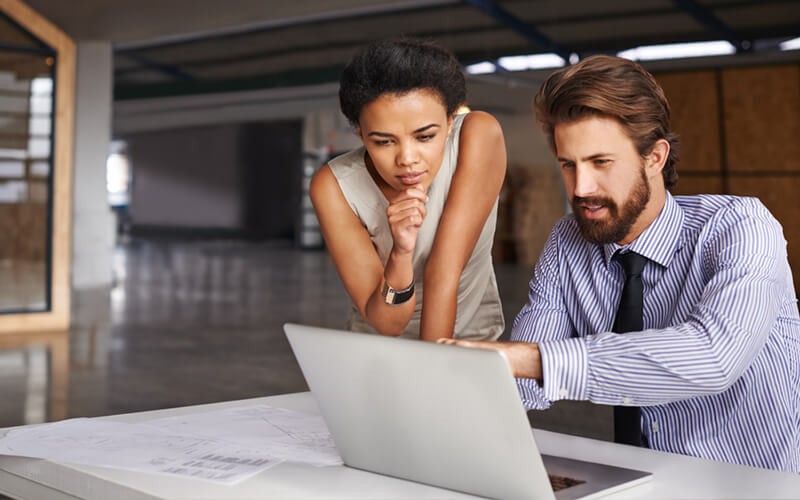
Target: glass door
36 126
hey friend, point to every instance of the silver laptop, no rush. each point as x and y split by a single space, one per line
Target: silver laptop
441 415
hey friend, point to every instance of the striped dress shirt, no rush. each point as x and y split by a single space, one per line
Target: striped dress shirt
716 369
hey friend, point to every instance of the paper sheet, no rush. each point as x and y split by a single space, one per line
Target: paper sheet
224 446
282 434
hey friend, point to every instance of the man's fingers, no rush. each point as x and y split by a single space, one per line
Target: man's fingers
462 343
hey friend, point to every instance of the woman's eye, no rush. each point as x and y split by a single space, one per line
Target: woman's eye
426 138
381 142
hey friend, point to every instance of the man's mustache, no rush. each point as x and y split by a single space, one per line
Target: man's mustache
593 200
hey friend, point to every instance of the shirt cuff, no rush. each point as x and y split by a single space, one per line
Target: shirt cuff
565 368
532 394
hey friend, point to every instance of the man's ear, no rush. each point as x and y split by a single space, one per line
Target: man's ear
657 158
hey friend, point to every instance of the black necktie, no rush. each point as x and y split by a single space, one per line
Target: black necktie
627 419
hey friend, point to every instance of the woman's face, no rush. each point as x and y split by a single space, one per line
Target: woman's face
405 136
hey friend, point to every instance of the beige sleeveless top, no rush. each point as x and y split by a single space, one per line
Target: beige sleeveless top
479 314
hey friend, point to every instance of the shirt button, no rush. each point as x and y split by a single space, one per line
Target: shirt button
563 392
627 401
655 427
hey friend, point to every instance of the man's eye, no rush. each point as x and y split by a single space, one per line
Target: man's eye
567 165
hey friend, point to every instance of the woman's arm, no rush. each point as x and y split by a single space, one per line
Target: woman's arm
476 184
356 260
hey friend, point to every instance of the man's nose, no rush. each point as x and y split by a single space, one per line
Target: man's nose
585 182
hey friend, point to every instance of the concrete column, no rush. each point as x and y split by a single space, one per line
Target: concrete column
93 227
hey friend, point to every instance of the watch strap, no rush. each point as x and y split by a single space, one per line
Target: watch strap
393 297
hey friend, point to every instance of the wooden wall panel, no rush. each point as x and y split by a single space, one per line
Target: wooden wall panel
779 195
694 102
758 137
762 118
537 201
699 184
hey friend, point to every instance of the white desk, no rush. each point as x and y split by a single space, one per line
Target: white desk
675 476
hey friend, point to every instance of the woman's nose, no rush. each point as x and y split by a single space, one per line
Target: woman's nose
407 155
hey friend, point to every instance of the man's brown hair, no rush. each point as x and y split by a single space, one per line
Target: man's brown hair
615 88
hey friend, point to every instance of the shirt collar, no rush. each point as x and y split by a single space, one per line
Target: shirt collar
660 240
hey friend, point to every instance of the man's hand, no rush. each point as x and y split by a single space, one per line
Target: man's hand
523 357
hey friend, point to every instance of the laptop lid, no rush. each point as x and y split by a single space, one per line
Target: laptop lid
441 415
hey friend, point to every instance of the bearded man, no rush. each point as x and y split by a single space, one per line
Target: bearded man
678 310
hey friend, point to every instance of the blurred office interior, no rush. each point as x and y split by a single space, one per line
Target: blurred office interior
174 225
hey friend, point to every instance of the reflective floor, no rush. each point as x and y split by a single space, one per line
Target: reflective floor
198 322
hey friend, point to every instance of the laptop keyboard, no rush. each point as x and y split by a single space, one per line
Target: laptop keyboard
561 482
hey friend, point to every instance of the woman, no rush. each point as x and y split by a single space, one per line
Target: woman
416 206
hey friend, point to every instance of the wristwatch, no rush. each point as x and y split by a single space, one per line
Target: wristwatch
395 297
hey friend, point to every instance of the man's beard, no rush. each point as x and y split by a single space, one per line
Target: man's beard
616 226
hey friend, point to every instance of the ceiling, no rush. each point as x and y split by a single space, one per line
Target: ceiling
180 47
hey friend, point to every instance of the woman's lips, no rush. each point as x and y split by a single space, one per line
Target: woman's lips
411 178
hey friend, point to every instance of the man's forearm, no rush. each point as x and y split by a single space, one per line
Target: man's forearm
523 357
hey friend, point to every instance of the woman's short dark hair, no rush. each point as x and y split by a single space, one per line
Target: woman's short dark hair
612 87
399 66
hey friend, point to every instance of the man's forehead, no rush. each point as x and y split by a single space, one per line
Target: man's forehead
589 136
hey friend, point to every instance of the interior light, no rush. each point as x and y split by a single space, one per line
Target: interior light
531 61
481 68
792 44
678 50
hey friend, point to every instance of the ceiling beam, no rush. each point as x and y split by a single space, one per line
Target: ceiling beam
271 24
13 47
292 78
167 69
129 50
527 30
707 18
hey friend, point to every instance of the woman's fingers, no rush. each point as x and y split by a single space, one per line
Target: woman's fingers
407 215
410 199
